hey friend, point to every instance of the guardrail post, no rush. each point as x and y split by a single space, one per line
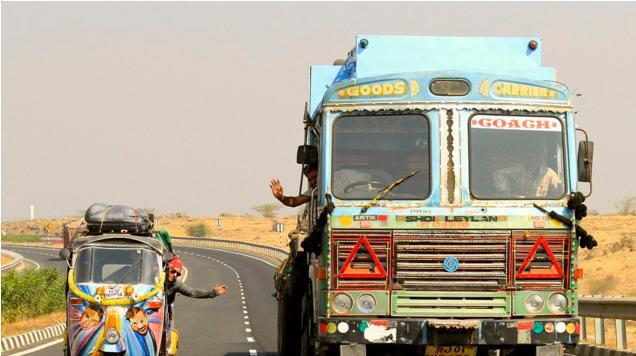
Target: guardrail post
599 331
621 334
583 328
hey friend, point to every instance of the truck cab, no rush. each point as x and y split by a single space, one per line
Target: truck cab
439 159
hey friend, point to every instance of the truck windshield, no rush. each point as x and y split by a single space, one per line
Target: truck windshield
516 157
117 266
371 152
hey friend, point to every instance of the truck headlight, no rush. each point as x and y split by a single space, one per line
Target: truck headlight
342 303
534 303
366 303
557 303
112 336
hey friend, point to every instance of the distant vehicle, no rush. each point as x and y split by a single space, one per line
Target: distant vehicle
115 297
445 221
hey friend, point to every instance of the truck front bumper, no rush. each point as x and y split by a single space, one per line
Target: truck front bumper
538 331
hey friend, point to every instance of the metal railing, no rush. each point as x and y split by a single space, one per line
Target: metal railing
274 252
16 260
600 308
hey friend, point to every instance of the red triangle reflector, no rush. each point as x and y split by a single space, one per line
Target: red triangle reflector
555 272
347 271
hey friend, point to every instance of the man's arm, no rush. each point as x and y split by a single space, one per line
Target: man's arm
277 192
199 293
294 201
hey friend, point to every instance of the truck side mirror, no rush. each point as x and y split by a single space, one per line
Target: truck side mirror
65 253
307 154
585 159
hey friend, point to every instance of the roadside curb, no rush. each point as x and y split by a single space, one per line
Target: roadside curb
22 340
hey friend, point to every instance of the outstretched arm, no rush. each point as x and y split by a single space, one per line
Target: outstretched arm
277 192
201 293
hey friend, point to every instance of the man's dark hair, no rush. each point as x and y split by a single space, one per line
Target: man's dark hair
309 167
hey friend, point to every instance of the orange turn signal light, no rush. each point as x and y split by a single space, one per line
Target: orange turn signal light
578 273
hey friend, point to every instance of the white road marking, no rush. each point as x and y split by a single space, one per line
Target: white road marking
242 254
185 274
240 283
37 265
37 348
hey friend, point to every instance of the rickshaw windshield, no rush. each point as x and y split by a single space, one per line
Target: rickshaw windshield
117 266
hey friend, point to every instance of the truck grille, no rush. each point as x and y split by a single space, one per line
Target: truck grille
420 255
540 272
367 274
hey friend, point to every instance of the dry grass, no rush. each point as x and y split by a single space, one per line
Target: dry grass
248 229
23 326
606 263
6 260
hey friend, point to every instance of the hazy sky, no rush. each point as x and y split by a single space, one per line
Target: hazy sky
195 106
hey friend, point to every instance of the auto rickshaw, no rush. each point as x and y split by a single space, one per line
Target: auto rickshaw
115 296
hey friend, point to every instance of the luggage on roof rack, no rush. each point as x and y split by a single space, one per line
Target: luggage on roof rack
104 218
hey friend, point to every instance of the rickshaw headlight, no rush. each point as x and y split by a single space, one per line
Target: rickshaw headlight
112 336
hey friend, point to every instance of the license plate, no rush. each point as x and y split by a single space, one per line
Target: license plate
114 292
451 350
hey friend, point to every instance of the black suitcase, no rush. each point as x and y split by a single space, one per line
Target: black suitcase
103 218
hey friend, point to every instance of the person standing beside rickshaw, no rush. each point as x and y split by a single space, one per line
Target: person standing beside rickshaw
173 286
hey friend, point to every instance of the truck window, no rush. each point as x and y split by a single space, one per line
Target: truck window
516 157
371 152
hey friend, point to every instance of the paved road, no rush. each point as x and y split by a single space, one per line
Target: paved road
227 325
39 256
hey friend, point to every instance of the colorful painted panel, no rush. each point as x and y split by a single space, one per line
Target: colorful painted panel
136 328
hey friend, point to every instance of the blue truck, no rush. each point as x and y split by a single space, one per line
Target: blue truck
445 218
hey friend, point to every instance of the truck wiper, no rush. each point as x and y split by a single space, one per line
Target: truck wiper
585 239
382 193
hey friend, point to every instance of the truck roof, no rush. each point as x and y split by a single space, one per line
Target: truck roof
377 58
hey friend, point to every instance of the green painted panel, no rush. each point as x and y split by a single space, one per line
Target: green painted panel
450 304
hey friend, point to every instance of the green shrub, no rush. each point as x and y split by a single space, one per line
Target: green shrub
198 230
20 238
32 293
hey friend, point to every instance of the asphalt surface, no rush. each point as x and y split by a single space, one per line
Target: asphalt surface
241 322
43 257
